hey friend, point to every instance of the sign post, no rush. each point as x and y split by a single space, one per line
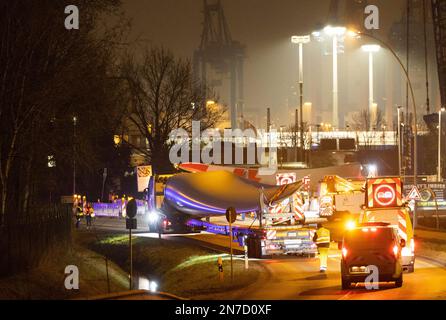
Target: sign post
245 246
131 223
415 196
231 216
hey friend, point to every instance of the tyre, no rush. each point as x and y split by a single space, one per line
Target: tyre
399 281
346 284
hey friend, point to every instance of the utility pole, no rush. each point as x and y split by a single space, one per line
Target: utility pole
268 120
301 40
399 140
74 154
296 129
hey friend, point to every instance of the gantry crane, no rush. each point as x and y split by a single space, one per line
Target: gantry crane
220 53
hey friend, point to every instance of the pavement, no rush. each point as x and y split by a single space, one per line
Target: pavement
292 278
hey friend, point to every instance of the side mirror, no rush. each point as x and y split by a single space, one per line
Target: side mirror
402 243
340 245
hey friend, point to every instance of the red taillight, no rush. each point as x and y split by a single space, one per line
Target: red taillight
395 250
344 252
412 245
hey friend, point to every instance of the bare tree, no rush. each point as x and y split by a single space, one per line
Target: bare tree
163 97
47 75
368 126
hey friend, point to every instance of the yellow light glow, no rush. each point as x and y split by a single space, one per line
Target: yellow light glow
350 225
117 140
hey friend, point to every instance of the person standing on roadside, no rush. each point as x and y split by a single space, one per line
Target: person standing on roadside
322 240
89 215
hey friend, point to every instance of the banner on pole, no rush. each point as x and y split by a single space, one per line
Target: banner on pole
143 176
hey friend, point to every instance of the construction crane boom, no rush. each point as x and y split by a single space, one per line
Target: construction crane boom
218 52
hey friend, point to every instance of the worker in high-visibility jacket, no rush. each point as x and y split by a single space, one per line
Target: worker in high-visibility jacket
322 240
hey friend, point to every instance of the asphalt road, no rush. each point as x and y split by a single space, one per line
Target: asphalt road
298 278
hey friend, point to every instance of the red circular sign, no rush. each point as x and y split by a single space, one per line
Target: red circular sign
385 195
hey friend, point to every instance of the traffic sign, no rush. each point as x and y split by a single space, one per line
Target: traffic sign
231 215
414 194
385 195
131 208
285 178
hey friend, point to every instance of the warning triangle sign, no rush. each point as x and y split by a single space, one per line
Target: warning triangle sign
414 194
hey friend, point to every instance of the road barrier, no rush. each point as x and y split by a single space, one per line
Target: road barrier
115 209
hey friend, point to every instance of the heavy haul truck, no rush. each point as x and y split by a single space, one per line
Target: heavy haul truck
270 219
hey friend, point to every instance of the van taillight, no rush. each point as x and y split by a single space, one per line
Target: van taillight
344 252
412 245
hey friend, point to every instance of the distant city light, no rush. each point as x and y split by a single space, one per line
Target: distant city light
335 31
300 39
371 47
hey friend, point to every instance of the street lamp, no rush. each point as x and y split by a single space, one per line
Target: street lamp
301 40
414 106
371 49
439 144
335 33
357 34
399 140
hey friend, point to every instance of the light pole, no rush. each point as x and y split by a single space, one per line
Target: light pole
74 154
371 49
301 40
439 177
281 146
399 140
414 106
335 32
358 34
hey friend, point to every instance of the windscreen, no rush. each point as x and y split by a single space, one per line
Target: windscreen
369 238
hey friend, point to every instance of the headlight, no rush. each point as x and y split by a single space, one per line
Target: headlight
153 286
153 217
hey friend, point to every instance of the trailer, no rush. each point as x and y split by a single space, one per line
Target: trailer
276 229
265 239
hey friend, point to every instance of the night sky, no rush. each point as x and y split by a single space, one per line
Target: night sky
264 26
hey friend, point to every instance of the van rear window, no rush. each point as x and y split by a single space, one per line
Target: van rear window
368 238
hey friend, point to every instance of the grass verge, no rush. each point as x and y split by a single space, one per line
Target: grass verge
46 282
179 268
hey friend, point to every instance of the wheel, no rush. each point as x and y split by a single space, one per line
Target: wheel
399 281
411 269
345 284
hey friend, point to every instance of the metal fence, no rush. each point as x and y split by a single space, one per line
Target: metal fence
25 239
